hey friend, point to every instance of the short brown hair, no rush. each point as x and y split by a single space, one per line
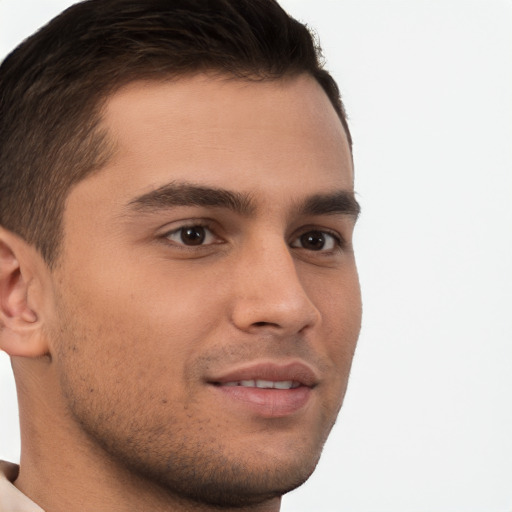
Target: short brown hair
53 85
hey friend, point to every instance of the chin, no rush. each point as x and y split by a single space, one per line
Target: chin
226 482
239 486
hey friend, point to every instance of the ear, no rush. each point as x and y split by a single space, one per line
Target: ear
20 324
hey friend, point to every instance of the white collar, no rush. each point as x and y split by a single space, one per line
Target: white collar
11 499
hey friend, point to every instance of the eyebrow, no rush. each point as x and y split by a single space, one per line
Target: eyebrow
339 202
186 194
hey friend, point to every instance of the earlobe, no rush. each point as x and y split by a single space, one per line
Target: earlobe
20 326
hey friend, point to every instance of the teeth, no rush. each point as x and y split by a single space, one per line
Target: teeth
264 384
284 384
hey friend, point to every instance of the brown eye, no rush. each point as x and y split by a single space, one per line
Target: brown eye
313 241
194 235
316 240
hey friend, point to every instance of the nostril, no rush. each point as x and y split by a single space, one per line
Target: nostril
263 324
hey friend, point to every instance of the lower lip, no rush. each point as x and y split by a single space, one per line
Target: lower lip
269 403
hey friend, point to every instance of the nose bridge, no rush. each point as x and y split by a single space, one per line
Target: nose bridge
270 293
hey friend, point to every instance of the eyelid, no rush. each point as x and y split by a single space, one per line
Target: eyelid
338 239
190 223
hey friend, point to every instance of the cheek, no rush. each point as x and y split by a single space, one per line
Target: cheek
119 370
154 299
338 298
340 305
123 334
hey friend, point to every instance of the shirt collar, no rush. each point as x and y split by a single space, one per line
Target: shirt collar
11 499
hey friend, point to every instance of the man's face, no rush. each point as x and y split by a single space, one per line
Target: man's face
206 305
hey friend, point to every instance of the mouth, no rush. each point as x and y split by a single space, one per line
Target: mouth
266 389
261 384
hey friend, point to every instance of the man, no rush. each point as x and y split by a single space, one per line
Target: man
179 295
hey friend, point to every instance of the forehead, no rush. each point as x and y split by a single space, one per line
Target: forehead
203 119
273 140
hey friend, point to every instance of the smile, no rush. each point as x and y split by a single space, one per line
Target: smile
263 384
266 389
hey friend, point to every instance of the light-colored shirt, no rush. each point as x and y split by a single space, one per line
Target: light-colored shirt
12 500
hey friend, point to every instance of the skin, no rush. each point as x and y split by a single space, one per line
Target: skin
118 350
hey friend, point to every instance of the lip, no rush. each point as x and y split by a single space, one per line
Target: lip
267 403
294 371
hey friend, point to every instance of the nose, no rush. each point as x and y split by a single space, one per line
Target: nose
269 294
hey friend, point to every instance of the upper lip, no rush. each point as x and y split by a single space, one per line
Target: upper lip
296 371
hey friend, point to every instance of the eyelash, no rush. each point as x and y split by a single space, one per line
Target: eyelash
196 224
337 242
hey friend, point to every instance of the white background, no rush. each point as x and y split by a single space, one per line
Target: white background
427 422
